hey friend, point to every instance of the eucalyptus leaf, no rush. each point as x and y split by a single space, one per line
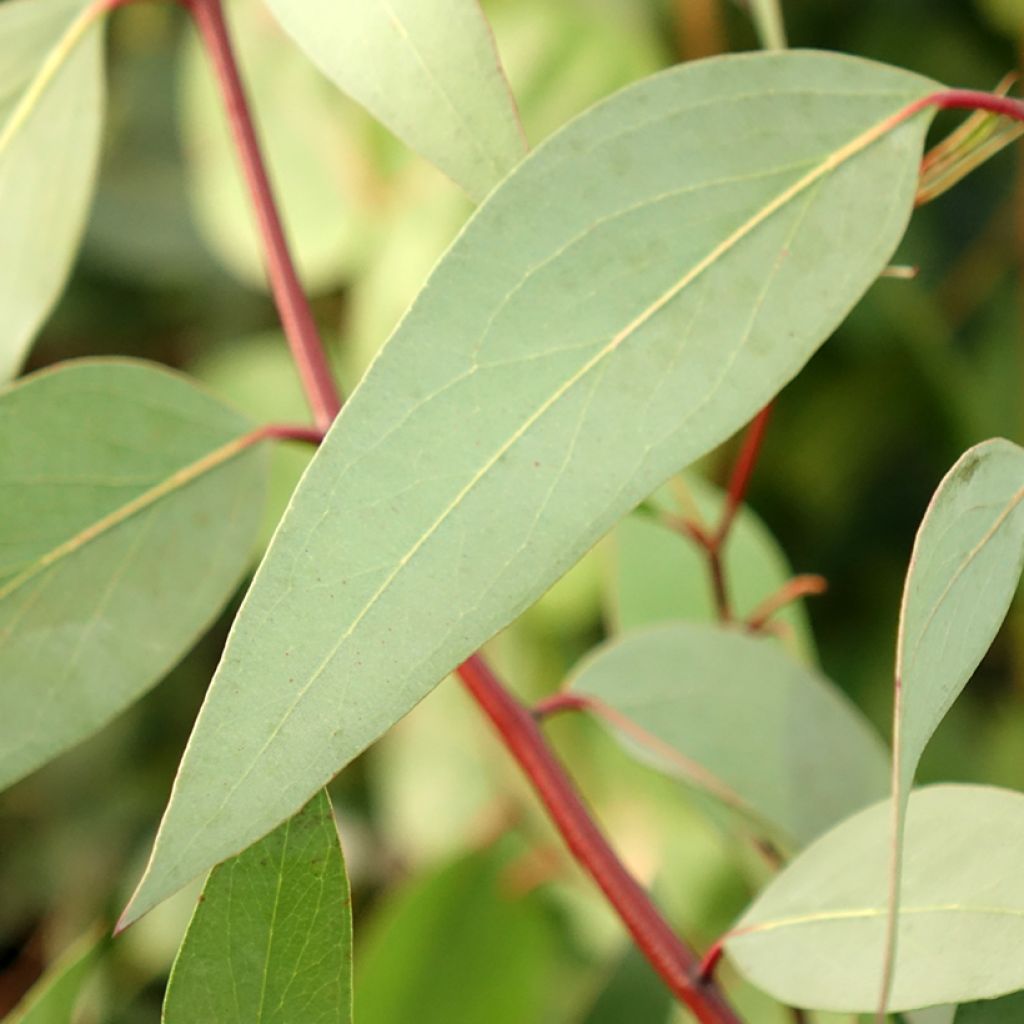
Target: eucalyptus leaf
629 297
812 938
737 715
129 507
53 998
429 71
271 938
51 118
633 992
964 571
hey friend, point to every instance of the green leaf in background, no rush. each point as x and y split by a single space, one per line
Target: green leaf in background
315 147
458 946
964 571
429 71
1005 15
51 118
52 1000
993 1011
129 508
654 575
813 937
633 993
271 939
629 297
737 715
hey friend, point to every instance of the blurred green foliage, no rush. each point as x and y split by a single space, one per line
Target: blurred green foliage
921 370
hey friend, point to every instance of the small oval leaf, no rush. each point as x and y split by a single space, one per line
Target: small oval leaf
812 938
737 715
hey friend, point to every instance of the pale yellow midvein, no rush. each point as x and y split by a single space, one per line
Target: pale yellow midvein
174 482
829 164
867 914
47 72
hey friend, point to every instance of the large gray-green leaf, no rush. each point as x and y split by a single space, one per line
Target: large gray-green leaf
428 69
129 506
311 136
52 1000
51 116
630 296
457 947
963 573
657 576
271 938
992 1011
813 937
739 716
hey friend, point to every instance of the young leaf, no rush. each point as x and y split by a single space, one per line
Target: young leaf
51 116
128 514
963 573
739 716
657 576
457 948
993 1011
271 938
812 938
53 998
629 297
428 69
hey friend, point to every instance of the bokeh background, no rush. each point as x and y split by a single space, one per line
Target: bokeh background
449 856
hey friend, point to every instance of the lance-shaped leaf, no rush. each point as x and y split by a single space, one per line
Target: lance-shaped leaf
428 69
630 296
52 1000
737 715
271 939
964 570
129 505
812 938
51 116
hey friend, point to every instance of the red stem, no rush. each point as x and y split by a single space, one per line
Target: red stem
296 316
742 471
678 965
289 432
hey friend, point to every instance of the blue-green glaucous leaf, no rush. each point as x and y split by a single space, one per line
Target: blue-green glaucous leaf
51 118
129 508
628 297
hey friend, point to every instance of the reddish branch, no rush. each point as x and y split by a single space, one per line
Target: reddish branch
678 965
674 961
293 307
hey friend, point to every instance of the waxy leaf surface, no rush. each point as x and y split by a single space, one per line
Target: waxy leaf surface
428 69
739 716
964 571
271 938
814 937
630 296
128 514
51 116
